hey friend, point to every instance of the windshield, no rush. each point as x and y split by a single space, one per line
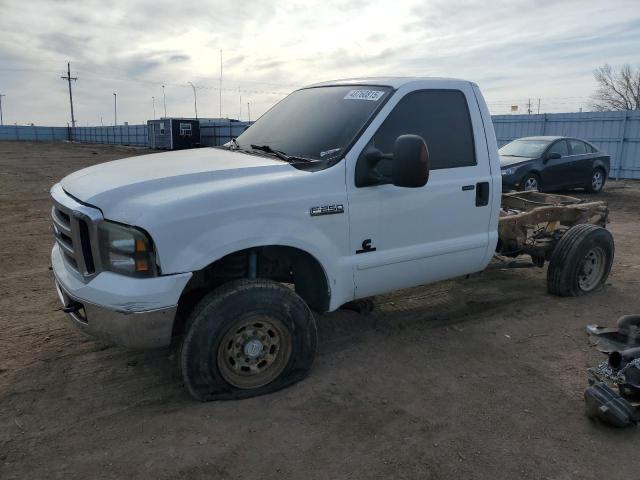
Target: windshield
315 123
524 148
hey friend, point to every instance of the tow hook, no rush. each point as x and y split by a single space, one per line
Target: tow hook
72 308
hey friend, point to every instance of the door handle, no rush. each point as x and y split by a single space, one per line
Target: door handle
482 194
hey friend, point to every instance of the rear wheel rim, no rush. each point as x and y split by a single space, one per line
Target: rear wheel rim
597 180
254 352
592 268
531 183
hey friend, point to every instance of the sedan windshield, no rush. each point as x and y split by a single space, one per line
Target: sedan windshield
314 123
524 148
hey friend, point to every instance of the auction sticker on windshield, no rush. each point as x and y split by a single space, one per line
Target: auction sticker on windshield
373 95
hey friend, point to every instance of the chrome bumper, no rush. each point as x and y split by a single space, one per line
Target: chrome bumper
126 311
146 329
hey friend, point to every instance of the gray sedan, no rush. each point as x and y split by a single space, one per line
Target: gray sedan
553 163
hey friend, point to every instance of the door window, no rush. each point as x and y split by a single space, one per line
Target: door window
560 147
578 147
441 117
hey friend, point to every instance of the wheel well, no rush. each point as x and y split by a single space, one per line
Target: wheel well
284 264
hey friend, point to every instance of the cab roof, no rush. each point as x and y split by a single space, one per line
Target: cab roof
393 82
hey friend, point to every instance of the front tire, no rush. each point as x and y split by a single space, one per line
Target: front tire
581 261
247 338
598 178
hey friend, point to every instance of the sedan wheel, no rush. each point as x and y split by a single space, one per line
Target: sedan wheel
530 182
597 180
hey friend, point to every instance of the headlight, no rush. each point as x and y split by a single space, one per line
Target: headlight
126 250
509 171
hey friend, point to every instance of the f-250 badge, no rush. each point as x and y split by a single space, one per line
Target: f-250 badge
326 210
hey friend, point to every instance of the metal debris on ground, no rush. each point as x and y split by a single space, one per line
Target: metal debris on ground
622 370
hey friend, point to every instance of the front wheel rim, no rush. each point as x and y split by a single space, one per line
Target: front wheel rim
596 180
592 269
254 352
531 183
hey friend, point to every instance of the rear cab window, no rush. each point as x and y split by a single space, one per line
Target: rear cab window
441 118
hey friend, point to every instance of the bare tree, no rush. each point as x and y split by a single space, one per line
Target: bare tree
617 89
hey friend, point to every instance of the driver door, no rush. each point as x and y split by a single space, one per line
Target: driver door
401 237
556 173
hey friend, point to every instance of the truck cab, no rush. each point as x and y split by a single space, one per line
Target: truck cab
341 191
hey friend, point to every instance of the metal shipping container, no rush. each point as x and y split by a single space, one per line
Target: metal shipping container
174 133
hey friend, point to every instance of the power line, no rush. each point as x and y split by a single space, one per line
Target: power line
68 78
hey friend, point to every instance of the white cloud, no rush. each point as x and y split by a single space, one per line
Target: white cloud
513 49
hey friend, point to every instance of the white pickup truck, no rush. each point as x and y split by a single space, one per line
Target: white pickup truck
341 191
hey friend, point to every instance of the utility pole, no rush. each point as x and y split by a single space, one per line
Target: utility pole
538 106
248 112
164 101
153 100
68 78
220 99
529 107
1 119
195 98
115 109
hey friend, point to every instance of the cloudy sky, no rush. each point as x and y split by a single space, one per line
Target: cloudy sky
513 49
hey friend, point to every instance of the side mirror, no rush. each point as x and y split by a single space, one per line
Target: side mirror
410 167
553 156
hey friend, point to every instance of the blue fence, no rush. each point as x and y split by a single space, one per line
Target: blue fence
135 135
212 133
617 133
219 132
44 134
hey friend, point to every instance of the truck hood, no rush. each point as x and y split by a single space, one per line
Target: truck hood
122 188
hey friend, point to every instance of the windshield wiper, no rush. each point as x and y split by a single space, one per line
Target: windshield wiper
278 153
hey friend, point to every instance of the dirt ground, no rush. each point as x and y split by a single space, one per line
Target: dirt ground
478 378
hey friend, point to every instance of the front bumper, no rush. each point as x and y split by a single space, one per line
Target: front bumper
131 312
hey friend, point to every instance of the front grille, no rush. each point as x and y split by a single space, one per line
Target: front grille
73 237
85 242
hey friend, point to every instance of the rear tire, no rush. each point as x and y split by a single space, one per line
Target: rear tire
531 181
581 261
598 179
247 338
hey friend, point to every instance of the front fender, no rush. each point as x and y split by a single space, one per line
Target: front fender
325 244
